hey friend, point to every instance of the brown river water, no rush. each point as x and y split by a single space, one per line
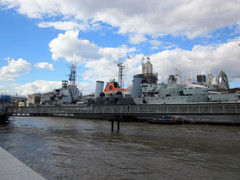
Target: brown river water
66 148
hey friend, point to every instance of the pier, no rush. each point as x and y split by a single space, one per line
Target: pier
193 112
3 112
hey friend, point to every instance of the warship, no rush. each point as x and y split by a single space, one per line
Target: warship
67 94
202 102
146 90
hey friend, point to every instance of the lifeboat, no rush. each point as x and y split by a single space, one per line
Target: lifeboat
113 88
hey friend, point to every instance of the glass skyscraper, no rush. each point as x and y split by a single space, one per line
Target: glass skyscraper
223 80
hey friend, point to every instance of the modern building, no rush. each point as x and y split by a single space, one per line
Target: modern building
147 68
223 81
201 79
34 99
212 81
147 71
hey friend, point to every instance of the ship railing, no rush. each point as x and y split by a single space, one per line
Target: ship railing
213 108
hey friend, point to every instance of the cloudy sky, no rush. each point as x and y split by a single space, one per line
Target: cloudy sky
39 39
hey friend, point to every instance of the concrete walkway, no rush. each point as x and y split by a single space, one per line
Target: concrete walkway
13 169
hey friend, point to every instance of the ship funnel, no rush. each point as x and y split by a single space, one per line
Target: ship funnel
98 89
136 87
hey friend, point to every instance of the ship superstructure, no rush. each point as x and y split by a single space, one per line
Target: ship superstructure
67 94
174 92
147 90
116 87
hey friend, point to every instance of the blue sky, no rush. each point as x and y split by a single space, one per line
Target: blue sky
39 39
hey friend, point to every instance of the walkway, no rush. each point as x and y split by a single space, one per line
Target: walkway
13 169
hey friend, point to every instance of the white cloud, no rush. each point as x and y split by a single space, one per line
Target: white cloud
155 42
44 65
114 54
64 25
39 86
98 63
7 89
154 48
106 68
168 45
14 69
101 69
200 60
154 18
35 8
68 46
137 38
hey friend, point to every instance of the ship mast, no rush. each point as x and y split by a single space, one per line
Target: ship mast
72 75
120 74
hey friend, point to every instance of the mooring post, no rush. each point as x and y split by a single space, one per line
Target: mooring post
117 118
118 124
112 124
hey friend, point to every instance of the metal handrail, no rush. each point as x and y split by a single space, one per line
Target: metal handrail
213 108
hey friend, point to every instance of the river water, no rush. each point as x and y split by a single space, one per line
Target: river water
65 148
